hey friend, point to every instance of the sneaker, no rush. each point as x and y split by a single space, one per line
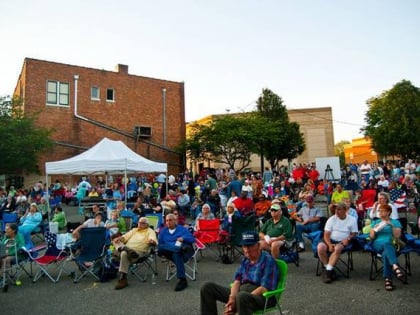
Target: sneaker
181 285
301 249
326 276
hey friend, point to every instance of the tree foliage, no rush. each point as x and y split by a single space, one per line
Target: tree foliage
231 139
393 121
224 140
280 138
22 142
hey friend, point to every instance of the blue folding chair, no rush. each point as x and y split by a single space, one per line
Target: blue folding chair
91 252
8 218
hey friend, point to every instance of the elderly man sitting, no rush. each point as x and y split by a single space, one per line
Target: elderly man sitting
339 231
132 246
175 243
275 232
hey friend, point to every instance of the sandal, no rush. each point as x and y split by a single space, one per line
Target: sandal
399 273
388 285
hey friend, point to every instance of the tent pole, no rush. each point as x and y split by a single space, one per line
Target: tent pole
125 184
47 197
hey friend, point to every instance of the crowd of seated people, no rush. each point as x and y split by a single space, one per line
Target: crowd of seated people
191 198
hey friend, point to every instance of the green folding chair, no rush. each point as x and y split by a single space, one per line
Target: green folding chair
277 293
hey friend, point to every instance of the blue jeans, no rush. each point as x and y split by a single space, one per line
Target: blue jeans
389 257
307 228
178 256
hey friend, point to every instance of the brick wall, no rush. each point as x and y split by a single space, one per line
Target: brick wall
137 101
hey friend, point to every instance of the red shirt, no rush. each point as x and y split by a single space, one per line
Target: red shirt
244 206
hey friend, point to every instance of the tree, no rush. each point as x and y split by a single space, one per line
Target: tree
339 151
22 142
279 138
224 140
231 139
393 121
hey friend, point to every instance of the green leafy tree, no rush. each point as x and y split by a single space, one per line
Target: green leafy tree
393 121
22 142
224 140
278 138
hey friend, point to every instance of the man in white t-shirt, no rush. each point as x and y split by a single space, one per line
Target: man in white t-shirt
339 231
365 170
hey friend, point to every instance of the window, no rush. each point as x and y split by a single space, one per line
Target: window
110 95
57 93
94 93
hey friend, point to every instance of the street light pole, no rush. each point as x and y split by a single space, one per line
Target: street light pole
164 115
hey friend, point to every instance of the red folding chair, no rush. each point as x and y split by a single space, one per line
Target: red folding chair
208 233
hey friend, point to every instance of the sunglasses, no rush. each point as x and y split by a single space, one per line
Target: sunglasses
274 210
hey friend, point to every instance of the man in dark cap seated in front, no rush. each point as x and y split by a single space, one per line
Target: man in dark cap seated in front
257 274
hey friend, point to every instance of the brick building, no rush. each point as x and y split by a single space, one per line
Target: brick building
83 105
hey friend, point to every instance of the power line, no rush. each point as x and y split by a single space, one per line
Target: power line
308 112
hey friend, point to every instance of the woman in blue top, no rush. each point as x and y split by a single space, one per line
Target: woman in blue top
382 232
29 222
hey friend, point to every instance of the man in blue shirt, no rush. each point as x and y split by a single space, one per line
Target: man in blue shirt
175 243
257 274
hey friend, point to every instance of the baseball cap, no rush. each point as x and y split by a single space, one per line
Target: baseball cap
249 238
275 207
310 198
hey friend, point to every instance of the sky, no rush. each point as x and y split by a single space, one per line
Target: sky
312 53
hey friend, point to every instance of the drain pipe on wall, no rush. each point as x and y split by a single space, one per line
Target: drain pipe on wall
76 80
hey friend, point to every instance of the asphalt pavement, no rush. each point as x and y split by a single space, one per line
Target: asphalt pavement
305 292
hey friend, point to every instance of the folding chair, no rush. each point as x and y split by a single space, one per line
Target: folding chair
376 262
239 225
289 252
155 221
53 257
208 233
278 292
8 218
346 257
190 265
145 265
92 252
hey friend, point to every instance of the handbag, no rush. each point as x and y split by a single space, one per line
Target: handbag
398 243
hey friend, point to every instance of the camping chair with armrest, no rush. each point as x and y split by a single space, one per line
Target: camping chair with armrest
345 262
278 292
209 234
8 218
190 265
145 266
232 248
376 262
91 253
53 256
155 221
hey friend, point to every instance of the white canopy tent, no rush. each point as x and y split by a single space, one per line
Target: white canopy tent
107 156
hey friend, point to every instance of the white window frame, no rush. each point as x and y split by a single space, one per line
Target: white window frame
113 95
96 97
58 93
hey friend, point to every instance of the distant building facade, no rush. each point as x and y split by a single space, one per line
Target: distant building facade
84 105
315 124
358 150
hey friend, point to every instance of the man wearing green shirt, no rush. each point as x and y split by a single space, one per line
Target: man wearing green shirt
275 232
